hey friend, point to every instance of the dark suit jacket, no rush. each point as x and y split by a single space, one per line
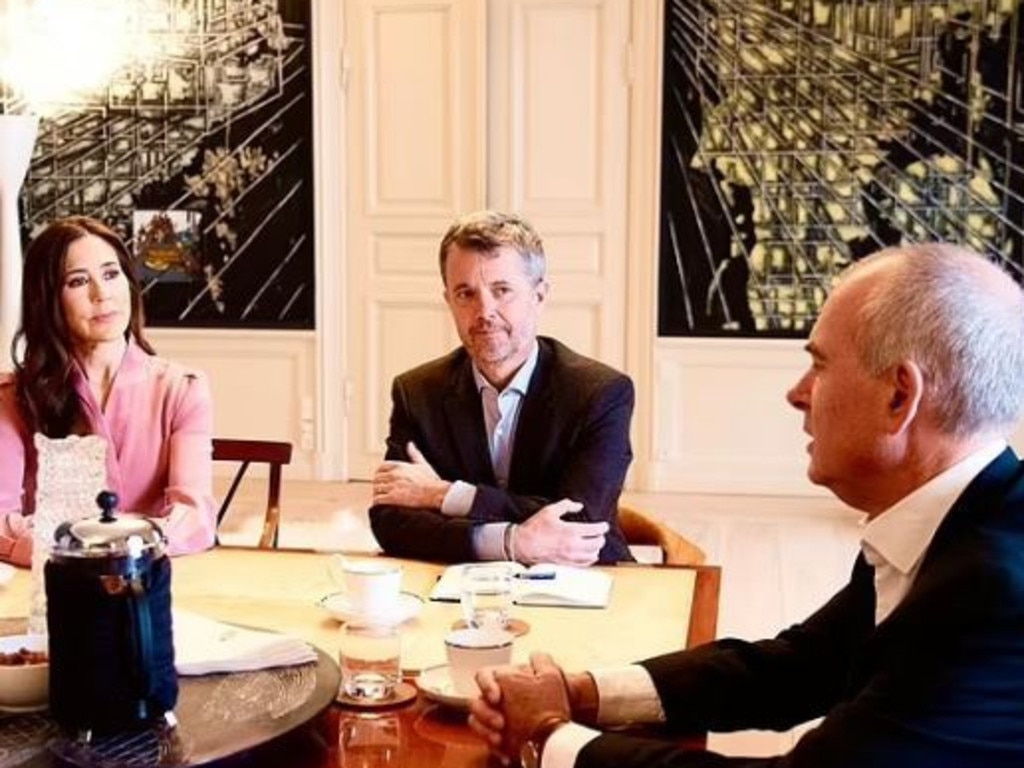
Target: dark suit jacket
572 441
939 683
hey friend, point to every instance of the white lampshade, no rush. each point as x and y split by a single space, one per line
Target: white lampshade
17 137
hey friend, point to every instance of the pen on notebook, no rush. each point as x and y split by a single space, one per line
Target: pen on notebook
536 576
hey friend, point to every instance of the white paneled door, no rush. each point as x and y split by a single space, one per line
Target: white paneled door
453 106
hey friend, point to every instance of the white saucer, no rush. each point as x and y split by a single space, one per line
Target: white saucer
436 684
338 605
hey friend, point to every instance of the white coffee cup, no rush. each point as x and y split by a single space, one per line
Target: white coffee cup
372 585
469 650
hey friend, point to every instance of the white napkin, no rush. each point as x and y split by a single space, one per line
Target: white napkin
202 646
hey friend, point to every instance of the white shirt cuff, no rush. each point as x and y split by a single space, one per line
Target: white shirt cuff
459 499
563 746
489 541
626 695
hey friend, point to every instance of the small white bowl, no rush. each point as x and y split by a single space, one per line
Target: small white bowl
25 687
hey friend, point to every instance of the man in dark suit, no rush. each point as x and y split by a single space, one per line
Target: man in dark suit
513 446
917 377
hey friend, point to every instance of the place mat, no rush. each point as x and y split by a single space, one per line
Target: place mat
403 694
517 627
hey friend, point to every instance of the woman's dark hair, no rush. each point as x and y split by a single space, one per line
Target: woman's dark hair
46 395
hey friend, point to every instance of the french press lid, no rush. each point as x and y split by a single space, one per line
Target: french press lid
108 535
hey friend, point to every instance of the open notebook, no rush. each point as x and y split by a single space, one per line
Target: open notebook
543 584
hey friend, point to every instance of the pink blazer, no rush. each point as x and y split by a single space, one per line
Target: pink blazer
157 423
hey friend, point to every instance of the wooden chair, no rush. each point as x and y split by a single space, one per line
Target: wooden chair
275 455
639 528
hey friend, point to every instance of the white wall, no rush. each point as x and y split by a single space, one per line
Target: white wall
721 420
263 383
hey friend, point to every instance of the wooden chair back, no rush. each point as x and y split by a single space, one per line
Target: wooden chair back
639 528
245 452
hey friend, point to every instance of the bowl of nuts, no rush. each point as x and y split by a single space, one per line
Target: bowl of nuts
24 673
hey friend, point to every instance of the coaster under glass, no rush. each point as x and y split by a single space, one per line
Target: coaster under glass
403 694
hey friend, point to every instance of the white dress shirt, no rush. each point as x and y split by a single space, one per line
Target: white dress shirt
894 542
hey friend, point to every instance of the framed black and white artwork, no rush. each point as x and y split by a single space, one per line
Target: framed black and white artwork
800 135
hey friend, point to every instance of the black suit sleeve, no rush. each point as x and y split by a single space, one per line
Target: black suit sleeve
770 684
422 534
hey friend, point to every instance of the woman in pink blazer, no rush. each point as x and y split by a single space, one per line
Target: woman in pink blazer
87 369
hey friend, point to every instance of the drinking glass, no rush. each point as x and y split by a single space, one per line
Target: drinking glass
486 596
370 657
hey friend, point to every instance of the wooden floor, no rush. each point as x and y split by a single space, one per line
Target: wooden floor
781 557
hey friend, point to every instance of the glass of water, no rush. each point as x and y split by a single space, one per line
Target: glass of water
486 595
370 657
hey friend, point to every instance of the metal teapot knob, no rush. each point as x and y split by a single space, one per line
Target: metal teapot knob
107 502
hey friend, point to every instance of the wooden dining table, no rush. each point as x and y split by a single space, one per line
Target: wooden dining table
651 610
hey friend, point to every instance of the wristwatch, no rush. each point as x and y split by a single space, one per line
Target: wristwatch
533 749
